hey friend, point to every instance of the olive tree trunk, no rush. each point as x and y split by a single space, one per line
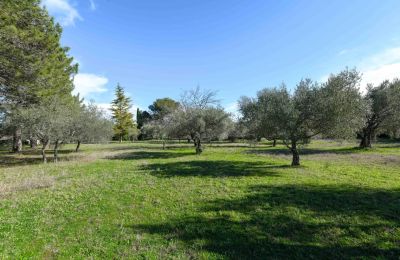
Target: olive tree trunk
295 154
33 142
45 144
17 141
366 138
78 145
197 144
274 142
56 146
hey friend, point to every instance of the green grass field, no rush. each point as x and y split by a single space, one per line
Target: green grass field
232 202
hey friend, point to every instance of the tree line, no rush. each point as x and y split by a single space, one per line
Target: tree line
335 109
36 82
36 104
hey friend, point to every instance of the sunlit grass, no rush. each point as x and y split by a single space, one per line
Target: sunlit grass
139 201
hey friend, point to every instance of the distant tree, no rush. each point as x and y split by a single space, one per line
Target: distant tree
163 106
142 117
332 109
90 125
383 112
123 119
252 111
199 117
237 130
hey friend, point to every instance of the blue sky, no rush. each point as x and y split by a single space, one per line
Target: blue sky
158 49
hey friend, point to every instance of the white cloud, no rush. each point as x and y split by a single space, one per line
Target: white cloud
92 5
63 11
233 108
89 83
384 65
381 66
378 75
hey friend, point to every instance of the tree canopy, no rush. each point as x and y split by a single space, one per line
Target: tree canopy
123 118
331 109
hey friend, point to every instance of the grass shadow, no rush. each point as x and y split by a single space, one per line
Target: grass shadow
292 222
30 157
213 169
138 155
16 160
306 151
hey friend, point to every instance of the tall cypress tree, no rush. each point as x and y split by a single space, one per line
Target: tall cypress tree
123 119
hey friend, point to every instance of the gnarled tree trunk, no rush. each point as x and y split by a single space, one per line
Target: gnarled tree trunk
274 142
366 137
33 142
197 143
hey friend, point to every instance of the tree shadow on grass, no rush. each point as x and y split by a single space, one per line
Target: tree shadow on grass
138 155
306 151
292 222
213 169
29 157
15 160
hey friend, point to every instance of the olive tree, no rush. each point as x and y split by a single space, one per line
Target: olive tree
383 111
89 125
331 109
199 116
47 121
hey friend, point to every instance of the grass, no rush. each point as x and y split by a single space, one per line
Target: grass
232 202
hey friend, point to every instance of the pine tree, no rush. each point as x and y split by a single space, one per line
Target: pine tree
123 119
34 66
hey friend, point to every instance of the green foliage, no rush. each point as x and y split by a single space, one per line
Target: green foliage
90 126
33 64
333 109
384 111
162 107
123 119
142 117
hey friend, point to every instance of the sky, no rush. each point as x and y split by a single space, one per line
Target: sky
157 49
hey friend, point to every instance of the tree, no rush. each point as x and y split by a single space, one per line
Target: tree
163 106
89 125
33 64
142 117
46 121
199 117
123 119
331 109
383 111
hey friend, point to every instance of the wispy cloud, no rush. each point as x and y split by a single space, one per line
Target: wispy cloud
92 5
86 84
380 66
64 12
343 52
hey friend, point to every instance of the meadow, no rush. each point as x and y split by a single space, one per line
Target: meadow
136 200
